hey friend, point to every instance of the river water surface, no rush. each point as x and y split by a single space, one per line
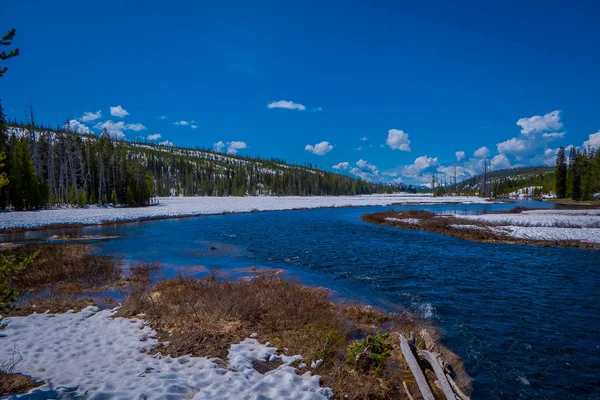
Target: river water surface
524 319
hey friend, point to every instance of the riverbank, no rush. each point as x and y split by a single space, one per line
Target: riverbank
201 338
177 207
568 228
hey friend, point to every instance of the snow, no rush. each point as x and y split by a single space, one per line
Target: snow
411 221
542 218
582 225
95 355
187 206
524 192
588 235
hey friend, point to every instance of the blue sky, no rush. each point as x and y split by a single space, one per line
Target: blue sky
279 79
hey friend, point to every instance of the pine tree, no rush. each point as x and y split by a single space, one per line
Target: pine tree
6 41
560 174
113 198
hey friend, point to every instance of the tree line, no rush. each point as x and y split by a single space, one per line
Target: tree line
56 167
577 176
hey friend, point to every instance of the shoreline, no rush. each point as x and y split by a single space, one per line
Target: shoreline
190 207
551 230
157 326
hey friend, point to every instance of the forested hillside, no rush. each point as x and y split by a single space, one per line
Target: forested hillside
57 166
505 181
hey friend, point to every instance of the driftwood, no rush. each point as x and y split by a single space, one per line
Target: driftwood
444 385
407 391
429 342
413 364
456 389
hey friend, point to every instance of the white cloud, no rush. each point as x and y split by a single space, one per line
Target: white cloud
154 136
194 126
364 139
118 111
459 155
135 127
554 135
482 152
91 116
421 165
594 141
365 170
166 143
398 140
537 123
162 117
549 157
232 147
342 165
114 129
182 122
366 165
319 149
290 105
235 146
512 146
78 127
359 148
219 146
500 162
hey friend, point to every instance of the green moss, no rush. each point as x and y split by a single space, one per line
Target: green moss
369 353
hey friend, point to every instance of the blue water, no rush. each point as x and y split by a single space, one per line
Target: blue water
524 319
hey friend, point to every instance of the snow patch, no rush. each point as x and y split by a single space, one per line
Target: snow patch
95 355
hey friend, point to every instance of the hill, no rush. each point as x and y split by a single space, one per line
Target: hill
505 181
46 166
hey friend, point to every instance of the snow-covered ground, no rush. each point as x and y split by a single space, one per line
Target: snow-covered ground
524 192
185 206
582 225
411 221
94 355
542 218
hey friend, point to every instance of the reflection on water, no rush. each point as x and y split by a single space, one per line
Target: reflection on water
525 319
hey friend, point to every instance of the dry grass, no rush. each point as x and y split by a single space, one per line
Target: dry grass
11 383
68 267
63 277
205 316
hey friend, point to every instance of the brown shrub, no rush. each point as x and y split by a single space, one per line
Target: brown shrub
69 267
16 384
205 316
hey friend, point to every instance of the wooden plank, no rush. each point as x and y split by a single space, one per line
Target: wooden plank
457 390
439 372
413 364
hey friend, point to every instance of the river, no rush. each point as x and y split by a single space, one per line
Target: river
524 319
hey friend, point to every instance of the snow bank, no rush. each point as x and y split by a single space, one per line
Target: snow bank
92 354
582 225
587 235
185 206
542 218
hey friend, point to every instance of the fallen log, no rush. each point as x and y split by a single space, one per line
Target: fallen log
456 389
432 359
413 364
